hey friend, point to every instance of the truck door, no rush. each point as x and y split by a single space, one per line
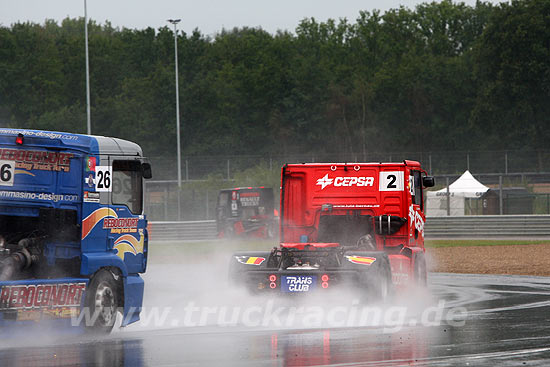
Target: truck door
127 226
416 209
222 210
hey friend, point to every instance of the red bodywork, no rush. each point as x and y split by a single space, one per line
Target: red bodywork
378 190
246 212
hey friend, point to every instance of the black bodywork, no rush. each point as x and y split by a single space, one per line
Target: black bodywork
324 268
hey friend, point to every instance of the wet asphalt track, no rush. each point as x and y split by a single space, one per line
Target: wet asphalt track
506 324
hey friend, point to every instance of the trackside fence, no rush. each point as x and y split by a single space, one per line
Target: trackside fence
182 231
494 226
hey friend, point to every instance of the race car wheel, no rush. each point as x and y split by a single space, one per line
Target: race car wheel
102 302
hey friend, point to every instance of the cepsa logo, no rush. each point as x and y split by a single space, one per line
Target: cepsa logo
41 295
345 181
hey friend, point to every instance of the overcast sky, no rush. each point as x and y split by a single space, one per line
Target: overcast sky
209 16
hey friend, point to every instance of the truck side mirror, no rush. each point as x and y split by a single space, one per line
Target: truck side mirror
146 170
428 181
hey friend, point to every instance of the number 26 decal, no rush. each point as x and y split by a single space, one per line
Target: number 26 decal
104 178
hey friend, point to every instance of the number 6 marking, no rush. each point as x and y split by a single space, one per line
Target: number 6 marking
7 169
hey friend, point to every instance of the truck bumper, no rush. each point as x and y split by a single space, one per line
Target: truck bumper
133 298
293 282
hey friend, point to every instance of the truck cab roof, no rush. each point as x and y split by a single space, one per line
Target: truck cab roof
59 140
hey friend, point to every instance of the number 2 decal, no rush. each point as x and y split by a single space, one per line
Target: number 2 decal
103 178
391 184
391 181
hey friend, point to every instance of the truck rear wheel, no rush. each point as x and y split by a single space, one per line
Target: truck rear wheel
102 302
380 286
420 271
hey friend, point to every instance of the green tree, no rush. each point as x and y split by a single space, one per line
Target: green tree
513 73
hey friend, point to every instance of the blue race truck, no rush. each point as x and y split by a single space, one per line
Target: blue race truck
73 236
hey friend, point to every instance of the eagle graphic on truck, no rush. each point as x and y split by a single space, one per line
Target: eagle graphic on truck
343 225
73 235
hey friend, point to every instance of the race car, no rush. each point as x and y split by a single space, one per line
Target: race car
358 226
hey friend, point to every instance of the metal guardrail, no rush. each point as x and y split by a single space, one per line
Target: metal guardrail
183 231
500 226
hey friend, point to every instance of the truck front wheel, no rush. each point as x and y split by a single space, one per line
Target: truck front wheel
102 302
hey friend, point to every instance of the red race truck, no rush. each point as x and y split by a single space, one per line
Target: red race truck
246 212
355 225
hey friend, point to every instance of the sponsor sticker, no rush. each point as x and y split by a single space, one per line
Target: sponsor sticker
41 134
89 180
121 225
250 260
415 220
361 260
298 283
42 160
347 181
250 198
39 196
16 297
91 197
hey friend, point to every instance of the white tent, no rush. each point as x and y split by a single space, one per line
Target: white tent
466 186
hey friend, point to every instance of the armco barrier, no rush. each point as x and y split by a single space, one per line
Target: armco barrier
183 231
496 226
501 226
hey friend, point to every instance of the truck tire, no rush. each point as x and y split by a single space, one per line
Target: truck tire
102 302
229 231
420 271
375 280
380 283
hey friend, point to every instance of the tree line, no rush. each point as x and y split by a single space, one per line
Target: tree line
442 76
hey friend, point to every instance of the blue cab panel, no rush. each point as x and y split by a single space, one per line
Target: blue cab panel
70 206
